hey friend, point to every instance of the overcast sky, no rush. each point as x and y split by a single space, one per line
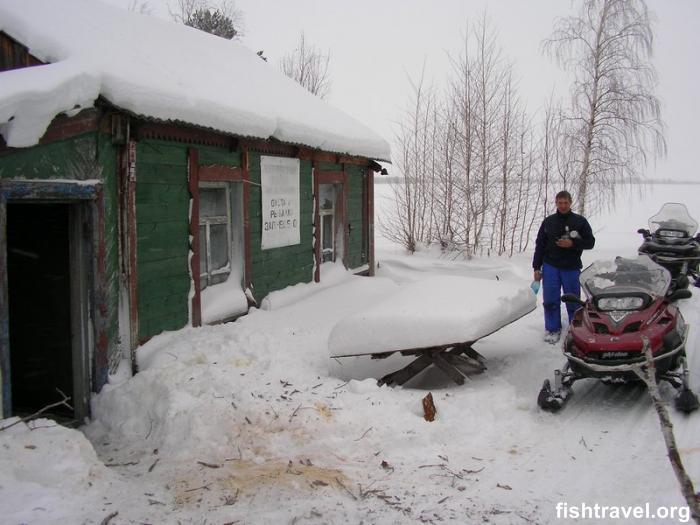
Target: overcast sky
376 45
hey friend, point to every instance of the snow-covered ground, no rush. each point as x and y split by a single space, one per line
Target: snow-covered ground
253 422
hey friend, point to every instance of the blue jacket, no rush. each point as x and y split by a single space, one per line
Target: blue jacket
554 227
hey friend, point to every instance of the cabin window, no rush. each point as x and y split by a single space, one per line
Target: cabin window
327 216
214 234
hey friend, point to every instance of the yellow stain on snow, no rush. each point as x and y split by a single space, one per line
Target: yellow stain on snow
324 410
241 362
242 478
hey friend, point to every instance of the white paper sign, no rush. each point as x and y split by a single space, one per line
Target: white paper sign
279 177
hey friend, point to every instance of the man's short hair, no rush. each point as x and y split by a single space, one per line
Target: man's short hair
563 194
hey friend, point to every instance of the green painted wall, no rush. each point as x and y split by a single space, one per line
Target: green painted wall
357 253
88 156
162 236
218 156
280 267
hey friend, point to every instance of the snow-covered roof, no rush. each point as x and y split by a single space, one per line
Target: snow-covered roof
161 70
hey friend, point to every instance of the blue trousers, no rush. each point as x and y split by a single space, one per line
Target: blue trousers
554 280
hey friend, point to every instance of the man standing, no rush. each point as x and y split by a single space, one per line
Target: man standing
561 239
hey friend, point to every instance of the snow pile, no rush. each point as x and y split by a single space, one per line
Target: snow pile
162 70
432 312
43 463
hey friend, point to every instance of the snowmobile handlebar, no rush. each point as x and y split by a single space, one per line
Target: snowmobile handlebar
683 293
572 298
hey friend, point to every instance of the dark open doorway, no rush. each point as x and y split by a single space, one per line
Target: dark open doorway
39 294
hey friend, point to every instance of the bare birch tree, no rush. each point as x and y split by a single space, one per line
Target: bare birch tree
614 123
549 148
490 77
447 202
308 66
411 222
462 100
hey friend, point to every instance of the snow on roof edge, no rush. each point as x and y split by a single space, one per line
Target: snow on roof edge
227 133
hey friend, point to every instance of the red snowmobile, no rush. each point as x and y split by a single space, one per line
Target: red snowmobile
626 300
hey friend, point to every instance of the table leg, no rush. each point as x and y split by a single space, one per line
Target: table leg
413 368
467 365
452 371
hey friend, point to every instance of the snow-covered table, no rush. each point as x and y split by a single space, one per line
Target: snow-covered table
437 319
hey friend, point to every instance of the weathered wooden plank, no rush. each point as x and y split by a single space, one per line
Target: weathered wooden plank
171 320
14 55
161 192
329 166
209 156
157 152
401 376
164 228
220 173
451 371
163 212
280 273
284 256
163 240
55 160
154 270
265 281
161 306
161 173
172 285
154 253
465 364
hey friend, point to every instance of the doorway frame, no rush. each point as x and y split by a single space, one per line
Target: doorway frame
340 180
87 295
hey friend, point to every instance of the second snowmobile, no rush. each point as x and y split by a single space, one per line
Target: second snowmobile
671 241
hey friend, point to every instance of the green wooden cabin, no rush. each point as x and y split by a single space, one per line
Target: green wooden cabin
115 227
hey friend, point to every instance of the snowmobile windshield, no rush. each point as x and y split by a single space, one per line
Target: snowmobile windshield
623 280
673 222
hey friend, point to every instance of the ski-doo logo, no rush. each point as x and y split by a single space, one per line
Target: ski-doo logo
617 315
614 355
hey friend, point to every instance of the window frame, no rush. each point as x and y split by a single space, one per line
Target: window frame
207 276
323 214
